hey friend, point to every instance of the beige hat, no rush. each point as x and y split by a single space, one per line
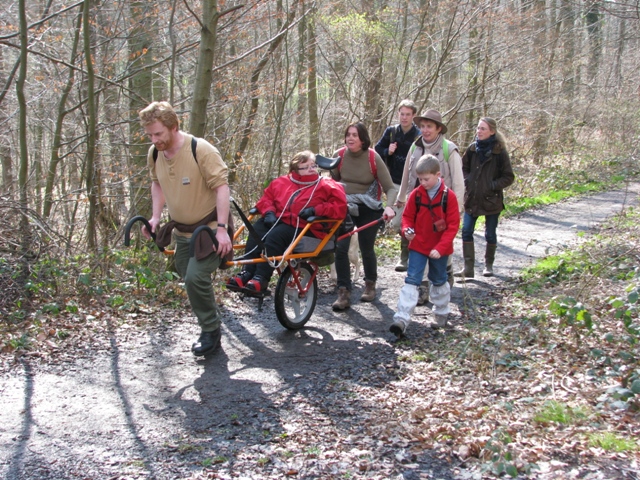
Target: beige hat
432 115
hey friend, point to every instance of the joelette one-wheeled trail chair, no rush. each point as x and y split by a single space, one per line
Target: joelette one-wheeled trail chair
296 291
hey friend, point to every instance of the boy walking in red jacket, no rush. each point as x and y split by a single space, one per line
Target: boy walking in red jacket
430 222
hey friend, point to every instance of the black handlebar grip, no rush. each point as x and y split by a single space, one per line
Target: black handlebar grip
194 236
127 230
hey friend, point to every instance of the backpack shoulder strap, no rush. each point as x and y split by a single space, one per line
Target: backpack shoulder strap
341 155
445 198
445 149
443 202
372 163
194 146
372 166
374 170
415 145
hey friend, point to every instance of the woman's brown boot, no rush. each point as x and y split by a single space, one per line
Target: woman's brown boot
344 299
369 294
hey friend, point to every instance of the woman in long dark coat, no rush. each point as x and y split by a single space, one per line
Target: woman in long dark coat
487 172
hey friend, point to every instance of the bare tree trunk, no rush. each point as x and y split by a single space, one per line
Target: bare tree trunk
23 172
594 29
312 82
57 135
473 77
38 143
7 168
569 75
174 44
91 128
373 112
204 71
7 187
422 49
619 56
302 60
541 133
140 43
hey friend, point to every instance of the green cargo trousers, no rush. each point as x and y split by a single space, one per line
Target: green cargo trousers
197 280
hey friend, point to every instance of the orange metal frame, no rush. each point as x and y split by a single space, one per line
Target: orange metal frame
289 252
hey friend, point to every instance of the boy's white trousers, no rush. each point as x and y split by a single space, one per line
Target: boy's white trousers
408 299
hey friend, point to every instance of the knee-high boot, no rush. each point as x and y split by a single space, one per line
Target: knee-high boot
489 257
469 254
401 266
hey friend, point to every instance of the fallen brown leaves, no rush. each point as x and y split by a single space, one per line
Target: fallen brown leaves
472 397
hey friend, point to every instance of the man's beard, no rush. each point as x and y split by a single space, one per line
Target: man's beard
162 146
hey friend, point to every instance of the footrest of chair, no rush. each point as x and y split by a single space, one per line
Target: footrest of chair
254 294
235 288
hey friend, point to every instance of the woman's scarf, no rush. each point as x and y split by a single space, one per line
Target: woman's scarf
304 180
485 147
434 147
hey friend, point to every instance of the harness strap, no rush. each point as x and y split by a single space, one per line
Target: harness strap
431 206
247 223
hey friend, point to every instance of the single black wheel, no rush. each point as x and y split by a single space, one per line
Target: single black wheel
292 308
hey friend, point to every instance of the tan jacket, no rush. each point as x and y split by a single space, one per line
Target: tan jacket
450 169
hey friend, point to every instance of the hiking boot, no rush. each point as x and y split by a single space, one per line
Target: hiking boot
207 343
239 282
423 293
257 284
369 294
398 328
344 299
441 321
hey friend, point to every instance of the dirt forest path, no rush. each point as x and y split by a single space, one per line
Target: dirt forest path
133 403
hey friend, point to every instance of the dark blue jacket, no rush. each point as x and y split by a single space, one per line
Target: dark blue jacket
395 162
